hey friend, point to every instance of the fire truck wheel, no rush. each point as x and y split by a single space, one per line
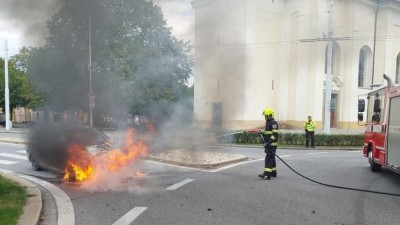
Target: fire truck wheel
375 167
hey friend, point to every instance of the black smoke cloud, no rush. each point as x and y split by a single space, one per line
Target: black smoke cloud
29 16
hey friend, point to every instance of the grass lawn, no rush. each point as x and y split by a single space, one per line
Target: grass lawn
12 200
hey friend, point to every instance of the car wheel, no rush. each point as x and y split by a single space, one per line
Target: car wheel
35 163
375 167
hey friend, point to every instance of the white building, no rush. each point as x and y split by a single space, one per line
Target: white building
253 54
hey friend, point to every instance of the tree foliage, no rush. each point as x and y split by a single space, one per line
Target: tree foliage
136 62
21 91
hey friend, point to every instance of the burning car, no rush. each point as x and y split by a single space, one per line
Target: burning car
49 144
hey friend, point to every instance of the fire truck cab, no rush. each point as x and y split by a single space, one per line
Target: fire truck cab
379 111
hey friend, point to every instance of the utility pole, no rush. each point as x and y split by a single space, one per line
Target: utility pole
328 82
91 94
6 90
374 50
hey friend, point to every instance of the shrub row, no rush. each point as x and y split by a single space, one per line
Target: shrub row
296 139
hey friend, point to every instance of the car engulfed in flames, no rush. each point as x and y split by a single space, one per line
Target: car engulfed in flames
80 152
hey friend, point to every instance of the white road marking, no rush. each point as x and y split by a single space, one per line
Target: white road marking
316 153
172 165
130 216
21 151
233 165
7 143
6 162
284 156
355 151
65 209
180 184
13 156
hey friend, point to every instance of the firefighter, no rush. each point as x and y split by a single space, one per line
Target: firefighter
309 127
270 135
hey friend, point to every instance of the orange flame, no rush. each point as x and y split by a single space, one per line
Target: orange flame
81 165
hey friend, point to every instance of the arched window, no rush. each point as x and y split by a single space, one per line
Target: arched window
364 67
361 68
398 69
335 59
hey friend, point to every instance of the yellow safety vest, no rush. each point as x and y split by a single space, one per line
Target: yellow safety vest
309 126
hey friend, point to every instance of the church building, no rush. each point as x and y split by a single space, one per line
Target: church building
254 54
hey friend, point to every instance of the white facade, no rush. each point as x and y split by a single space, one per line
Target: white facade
253 54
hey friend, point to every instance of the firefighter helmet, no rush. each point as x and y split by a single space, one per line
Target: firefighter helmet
268 112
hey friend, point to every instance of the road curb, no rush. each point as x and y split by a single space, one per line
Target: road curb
198 165
33 207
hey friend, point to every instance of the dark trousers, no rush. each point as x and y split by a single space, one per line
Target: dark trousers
270 163
310 138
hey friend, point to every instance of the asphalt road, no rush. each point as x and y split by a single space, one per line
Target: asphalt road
230 195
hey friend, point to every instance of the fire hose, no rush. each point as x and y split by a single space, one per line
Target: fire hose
312 180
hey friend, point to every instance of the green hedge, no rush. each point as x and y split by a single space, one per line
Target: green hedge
296 139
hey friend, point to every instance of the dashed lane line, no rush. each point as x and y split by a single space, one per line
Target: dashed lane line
8 155
179 184
7 162
130 216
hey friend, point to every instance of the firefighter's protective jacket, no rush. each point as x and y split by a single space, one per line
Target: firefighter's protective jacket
271 133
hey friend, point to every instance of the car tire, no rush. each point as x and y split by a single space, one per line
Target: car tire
375 167
35 163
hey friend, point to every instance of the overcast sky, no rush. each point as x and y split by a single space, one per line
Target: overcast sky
22 21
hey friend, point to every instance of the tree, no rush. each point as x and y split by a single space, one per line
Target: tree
136 62
22 93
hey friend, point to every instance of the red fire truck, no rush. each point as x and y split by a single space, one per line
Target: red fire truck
381 108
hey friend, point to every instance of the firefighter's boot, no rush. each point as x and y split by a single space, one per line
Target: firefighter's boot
264 176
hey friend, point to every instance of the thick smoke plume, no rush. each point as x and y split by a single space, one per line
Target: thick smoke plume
29 16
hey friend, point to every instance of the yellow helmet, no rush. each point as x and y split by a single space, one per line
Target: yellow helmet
268 112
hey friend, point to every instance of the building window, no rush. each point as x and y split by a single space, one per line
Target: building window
361 69
335 59
398 69
364 68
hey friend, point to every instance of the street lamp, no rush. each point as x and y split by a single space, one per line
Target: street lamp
6 89
91 93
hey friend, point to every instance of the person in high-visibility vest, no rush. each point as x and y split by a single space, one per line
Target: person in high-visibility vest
309 127
270 136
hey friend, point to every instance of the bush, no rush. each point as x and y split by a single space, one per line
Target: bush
296 139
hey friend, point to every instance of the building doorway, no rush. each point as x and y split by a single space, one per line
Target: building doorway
217 114
333 106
